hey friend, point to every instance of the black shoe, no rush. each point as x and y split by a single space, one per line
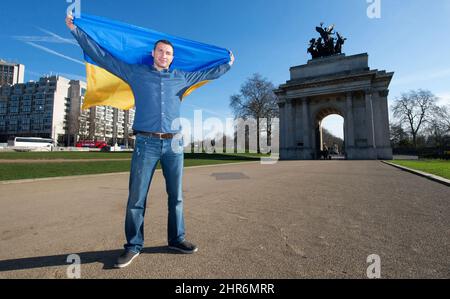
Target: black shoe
125 259
184 247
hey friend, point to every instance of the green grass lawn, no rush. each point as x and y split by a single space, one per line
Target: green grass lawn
17 171
436 167
62 155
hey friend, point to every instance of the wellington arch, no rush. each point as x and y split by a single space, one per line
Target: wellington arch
333 83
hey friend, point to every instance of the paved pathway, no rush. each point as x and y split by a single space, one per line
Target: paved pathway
295 219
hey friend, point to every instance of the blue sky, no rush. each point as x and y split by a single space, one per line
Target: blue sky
267 36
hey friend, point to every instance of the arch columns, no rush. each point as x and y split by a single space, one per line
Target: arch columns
342 81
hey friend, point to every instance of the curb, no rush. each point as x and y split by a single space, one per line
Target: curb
109 174
429 176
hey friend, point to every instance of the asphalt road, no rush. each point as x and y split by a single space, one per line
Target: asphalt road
294 219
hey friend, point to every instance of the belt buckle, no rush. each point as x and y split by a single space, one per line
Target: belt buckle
161 135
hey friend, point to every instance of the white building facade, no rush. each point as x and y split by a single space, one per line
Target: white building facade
51 108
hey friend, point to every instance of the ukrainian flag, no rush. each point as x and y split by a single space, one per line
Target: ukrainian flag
134 45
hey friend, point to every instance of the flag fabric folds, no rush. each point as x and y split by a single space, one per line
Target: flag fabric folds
134 45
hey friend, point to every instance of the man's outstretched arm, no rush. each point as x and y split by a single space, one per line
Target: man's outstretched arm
209 74
97 54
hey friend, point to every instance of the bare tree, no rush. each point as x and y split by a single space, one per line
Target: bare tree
399 138
438 127
442 116
257 100
331 140
414 109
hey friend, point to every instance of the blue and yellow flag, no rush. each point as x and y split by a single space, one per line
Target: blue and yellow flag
134 45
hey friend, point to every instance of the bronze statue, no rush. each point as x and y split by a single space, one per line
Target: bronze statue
325 33
340 41
313 48
325 45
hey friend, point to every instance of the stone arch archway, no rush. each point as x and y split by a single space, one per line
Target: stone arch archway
317 118
341 85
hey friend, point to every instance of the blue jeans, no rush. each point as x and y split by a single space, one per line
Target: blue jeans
147 152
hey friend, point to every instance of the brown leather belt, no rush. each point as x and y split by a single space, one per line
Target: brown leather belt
157 135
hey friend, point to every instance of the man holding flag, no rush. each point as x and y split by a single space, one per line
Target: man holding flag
158 91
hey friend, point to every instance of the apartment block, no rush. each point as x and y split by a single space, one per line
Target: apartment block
52 108
11 73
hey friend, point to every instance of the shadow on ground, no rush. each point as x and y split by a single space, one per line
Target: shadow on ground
107 258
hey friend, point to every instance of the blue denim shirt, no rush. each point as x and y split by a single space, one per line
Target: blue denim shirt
157 94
